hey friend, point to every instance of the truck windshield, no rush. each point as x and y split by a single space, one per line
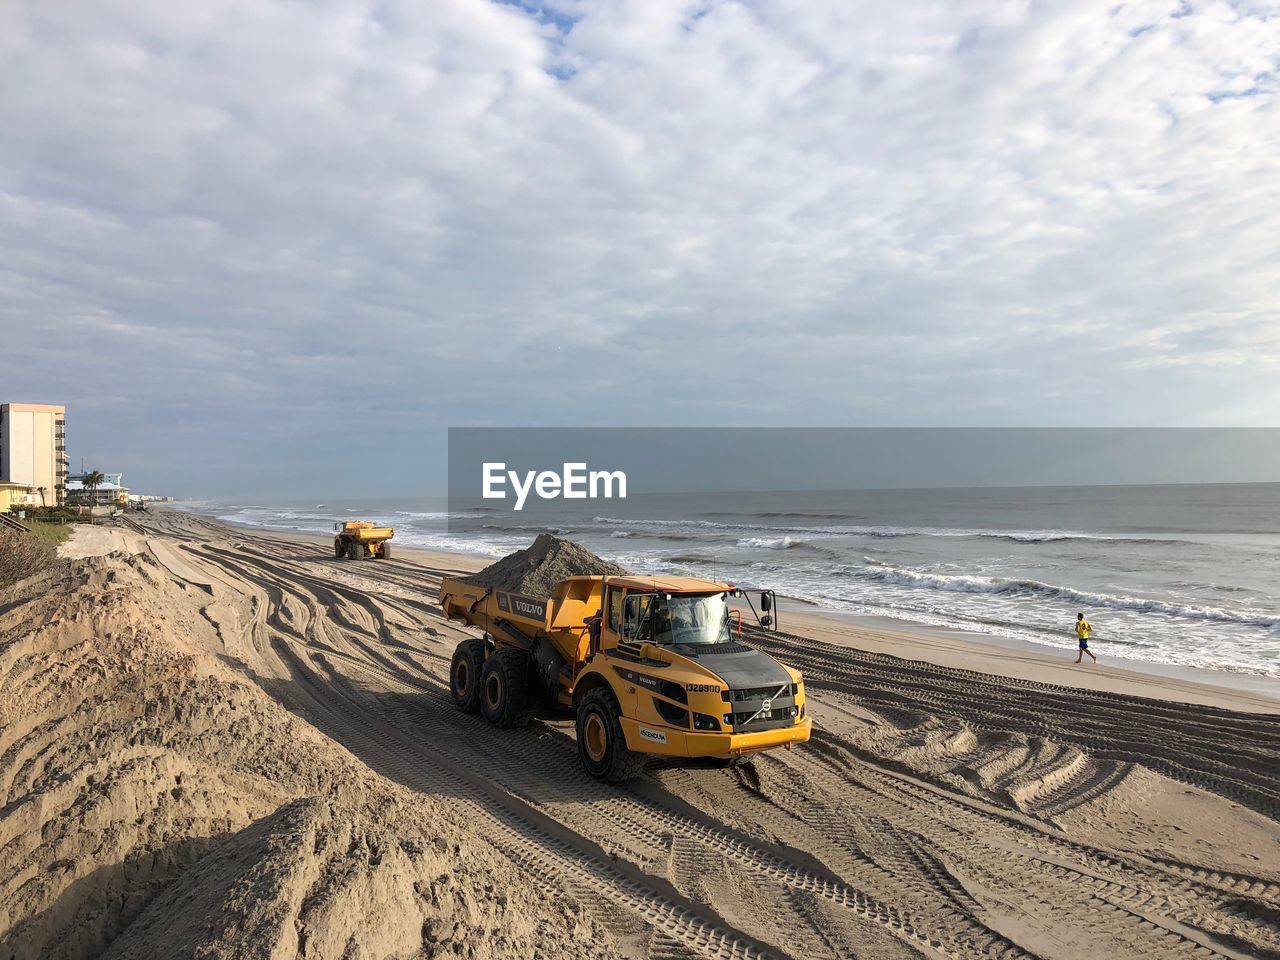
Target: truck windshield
685 618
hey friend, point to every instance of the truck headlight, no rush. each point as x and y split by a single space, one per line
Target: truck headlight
703 722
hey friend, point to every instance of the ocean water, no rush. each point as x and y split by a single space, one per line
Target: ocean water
1177 574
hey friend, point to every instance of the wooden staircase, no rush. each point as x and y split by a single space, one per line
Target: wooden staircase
12 523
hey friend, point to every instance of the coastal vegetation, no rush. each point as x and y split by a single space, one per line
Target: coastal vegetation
24 554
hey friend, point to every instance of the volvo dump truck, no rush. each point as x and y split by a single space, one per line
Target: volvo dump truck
361 540
648 666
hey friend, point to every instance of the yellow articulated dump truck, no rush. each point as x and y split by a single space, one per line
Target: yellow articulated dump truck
648 665
361 540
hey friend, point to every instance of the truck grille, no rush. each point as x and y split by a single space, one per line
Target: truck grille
768 720
755 693
746 712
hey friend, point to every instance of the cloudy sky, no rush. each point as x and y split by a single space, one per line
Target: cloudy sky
252 241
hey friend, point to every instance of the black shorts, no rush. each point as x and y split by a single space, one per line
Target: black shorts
1084 643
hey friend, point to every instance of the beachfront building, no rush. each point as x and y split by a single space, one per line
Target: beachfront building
110 493
17 496
33 449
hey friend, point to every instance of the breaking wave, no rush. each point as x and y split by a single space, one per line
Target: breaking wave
769 543
962 583
762 533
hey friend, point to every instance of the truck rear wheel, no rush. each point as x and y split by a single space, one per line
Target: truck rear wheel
355 551
385 553
504 688
601 745
464 675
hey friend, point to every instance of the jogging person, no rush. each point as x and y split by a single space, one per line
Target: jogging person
1083 629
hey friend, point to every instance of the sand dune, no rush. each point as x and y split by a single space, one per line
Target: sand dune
218 743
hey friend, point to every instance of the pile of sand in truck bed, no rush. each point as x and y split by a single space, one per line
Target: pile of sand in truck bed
537 568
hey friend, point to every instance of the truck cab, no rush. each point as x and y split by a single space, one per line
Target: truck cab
687 686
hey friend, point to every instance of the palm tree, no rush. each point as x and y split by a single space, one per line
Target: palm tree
92 480
43 491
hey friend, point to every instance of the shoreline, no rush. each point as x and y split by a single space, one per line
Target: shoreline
1007 657
989 654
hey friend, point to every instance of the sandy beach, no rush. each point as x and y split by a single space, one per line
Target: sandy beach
221 742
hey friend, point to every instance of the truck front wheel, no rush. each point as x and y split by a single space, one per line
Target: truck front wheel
464 675
601 745
338 550
504 689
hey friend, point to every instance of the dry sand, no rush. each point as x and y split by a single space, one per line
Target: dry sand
224 743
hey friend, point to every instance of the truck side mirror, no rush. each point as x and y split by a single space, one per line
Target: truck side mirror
766 602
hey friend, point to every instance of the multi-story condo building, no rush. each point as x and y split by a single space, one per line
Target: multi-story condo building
33 448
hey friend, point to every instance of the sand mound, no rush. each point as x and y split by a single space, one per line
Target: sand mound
158 804
318 880
537 569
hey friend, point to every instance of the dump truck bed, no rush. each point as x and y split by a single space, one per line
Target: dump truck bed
482 607
365 534
519 619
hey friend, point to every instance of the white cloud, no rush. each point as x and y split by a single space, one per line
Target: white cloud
645 210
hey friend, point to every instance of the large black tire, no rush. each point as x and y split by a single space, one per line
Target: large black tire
464 675
355 550
338 549
385 552
504 689
601 746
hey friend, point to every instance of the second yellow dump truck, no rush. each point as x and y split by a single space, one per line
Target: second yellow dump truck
648 665
361 540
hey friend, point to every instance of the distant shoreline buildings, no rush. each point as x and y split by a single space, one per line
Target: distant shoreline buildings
110 491
35 467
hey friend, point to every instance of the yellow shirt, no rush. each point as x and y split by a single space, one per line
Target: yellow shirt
1083 629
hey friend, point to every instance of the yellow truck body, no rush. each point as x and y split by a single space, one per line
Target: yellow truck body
360 540
650 666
